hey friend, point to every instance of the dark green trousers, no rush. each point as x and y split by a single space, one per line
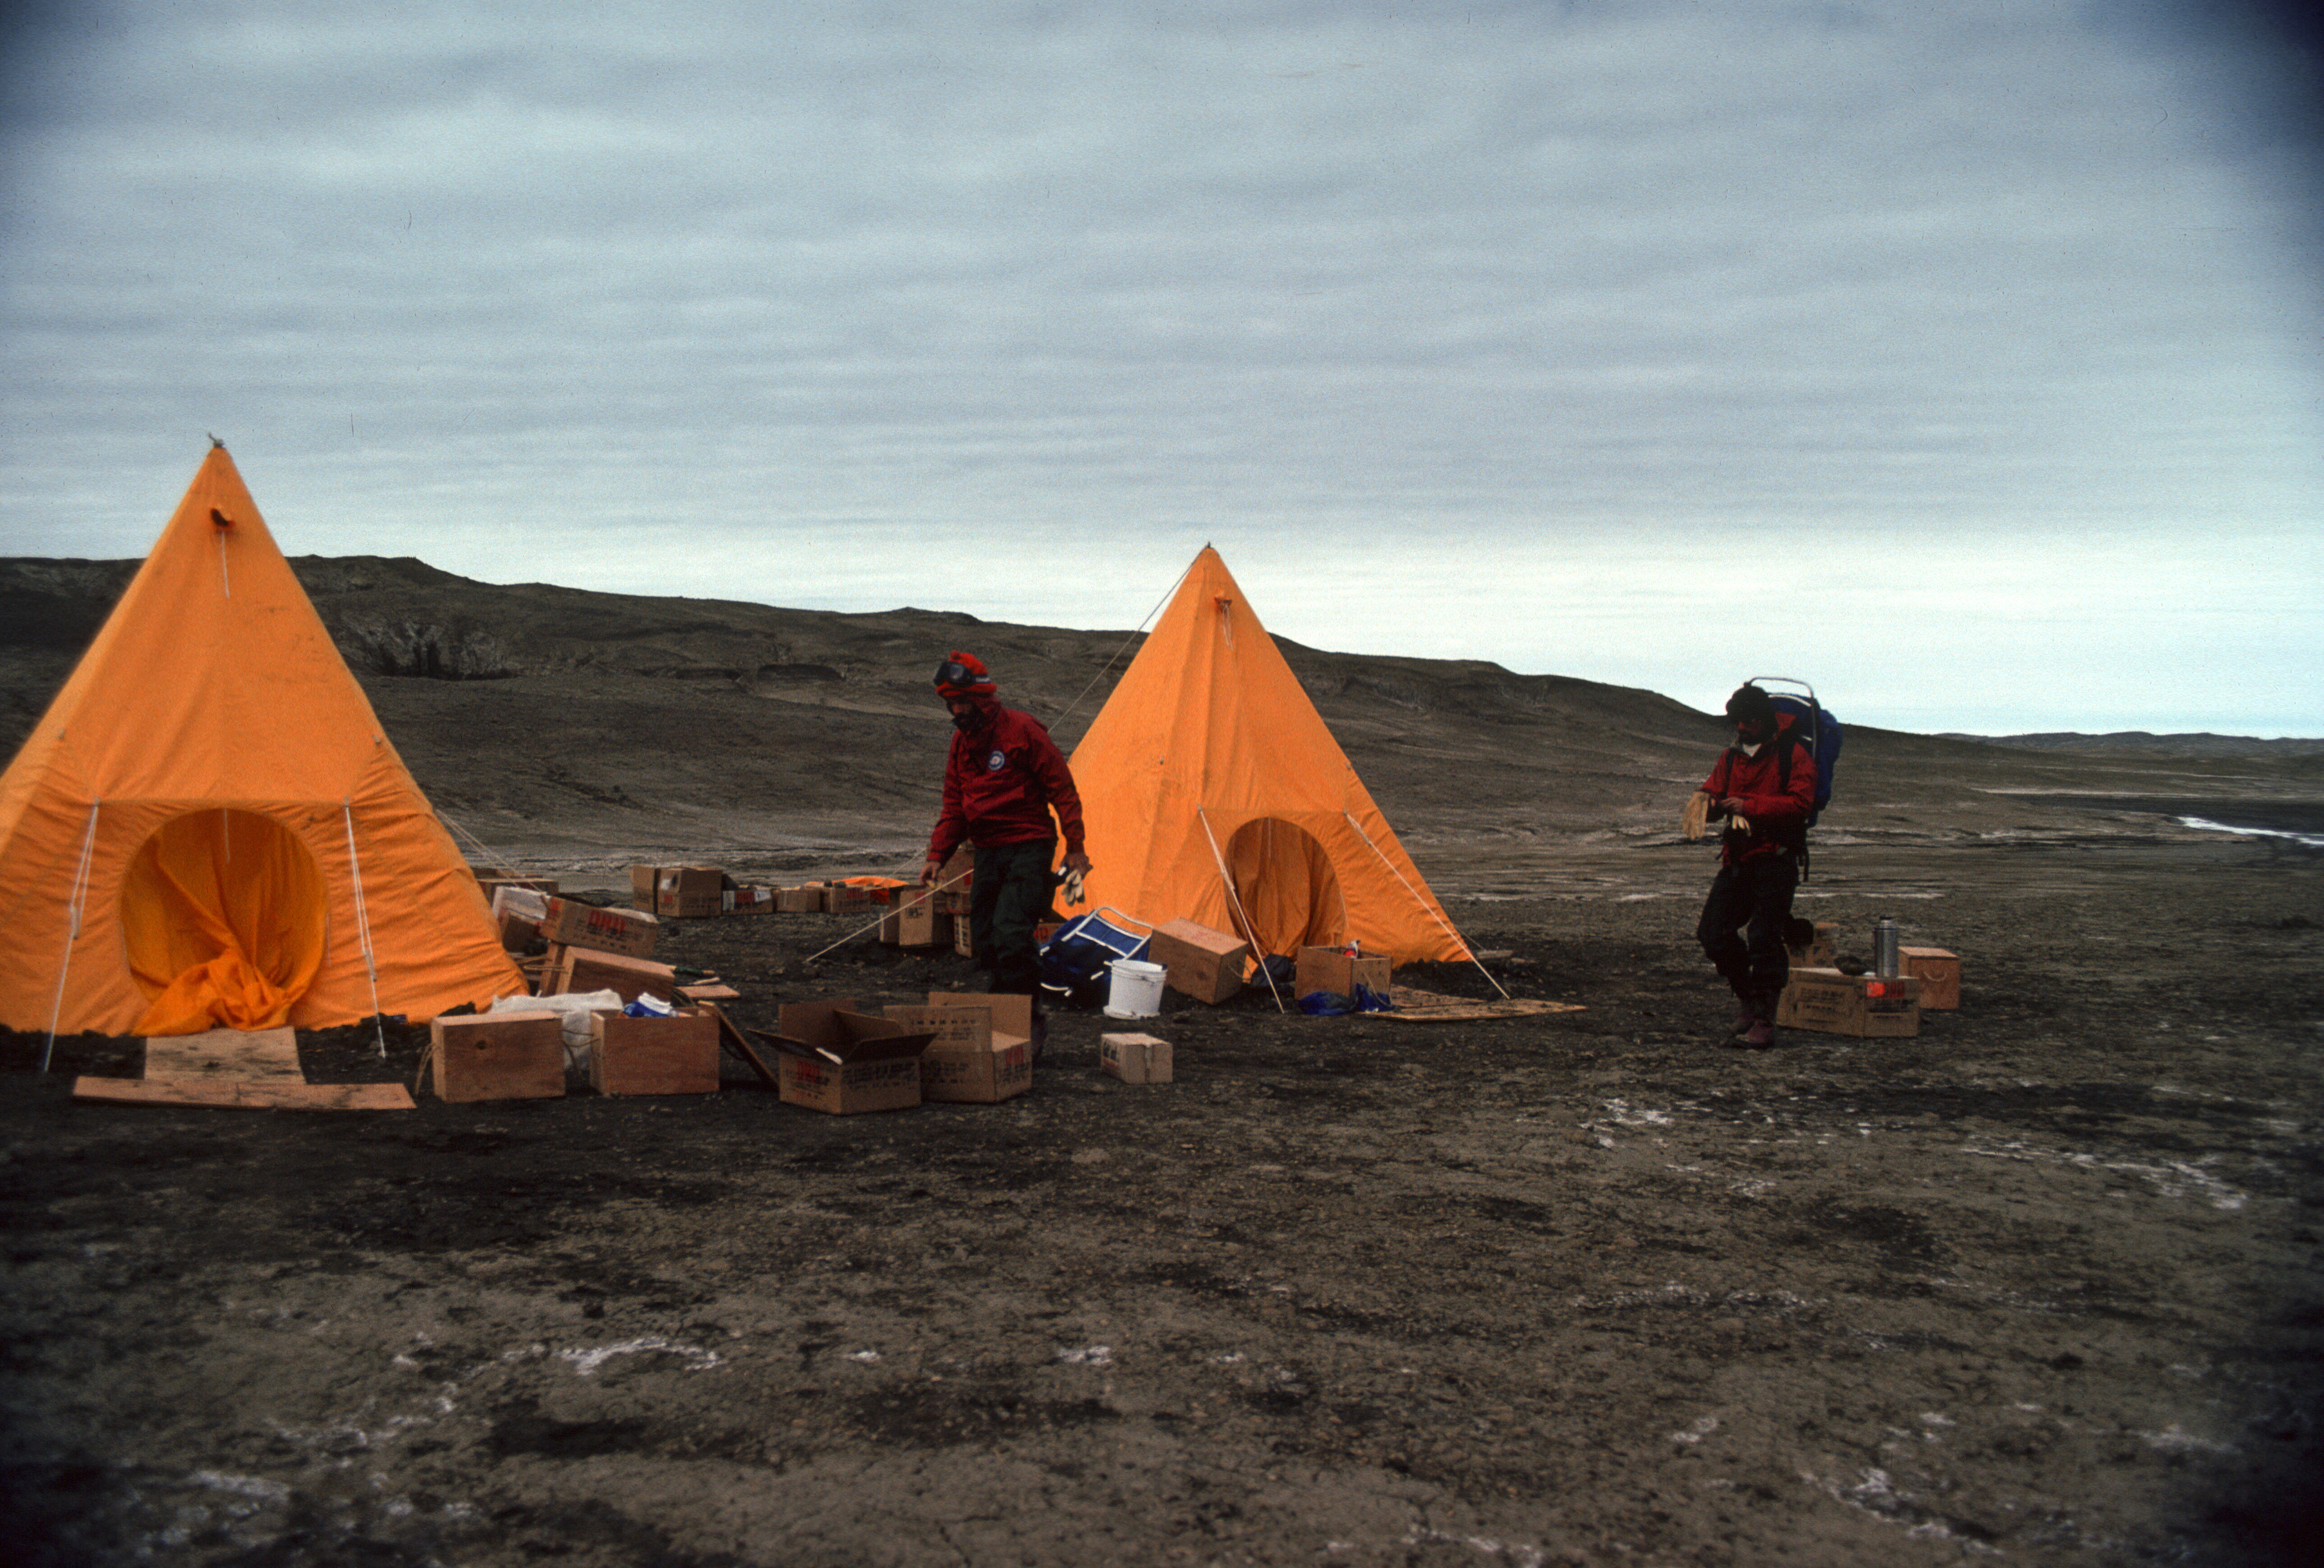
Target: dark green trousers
1008 896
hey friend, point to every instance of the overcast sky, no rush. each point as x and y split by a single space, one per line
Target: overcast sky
1961 358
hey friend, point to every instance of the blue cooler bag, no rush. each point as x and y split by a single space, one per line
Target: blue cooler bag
1075 959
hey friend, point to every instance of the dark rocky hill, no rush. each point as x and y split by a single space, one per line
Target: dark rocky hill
551 721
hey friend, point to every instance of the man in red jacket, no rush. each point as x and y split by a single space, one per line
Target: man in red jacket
1763 786
1004 779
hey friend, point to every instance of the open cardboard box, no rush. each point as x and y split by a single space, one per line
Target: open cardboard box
843 1062
1336 970
968 1061
1821 949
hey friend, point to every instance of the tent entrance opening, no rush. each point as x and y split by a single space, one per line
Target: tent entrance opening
224 912
1287 892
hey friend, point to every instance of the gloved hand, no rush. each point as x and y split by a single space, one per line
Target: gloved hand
1069 881
1697 817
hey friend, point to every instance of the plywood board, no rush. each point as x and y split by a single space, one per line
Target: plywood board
274 1095
1413 1006
241 1055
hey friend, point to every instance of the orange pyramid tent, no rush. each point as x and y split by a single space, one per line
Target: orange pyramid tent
208 828
1213 792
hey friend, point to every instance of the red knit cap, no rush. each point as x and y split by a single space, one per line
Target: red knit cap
964 675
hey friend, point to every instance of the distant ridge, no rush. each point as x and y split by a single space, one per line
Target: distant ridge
398 616
561 721
2202 743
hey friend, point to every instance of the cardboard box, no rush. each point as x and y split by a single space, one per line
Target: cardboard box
653 1055
1829 1003
1819 951
954 881
749 900
949 1028
801 900
844 899
491 879
1939 971
1000 1069
964 936
518 911
570 923
689 892
642 879
1333 969
502 1056
837 1060
1135 1058
1206 964
966 1061
916 922
587 969
1013 1013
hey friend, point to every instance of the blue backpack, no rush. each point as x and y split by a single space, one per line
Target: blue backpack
1817 732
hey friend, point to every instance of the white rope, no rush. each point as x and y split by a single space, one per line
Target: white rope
1469 952
1074 706
363 926
1250 928
878 919
484 851
72 928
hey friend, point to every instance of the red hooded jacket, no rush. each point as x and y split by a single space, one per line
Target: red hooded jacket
1777 807
1001 784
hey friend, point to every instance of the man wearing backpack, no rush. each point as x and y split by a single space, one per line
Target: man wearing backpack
1764 786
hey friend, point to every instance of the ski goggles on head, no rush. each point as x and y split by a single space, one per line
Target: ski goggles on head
952 674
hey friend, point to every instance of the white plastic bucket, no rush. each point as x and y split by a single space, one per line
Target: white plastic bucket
1137 989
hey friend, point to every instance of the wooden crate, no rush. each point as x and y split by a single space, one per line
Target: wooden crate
1938 972
506 1055
653 1055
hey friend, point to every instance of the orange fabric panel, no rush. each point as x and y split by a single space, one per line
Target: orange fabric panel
222 914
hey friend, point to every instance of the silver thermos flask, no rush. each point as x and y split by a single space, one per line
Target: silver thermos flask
1885 961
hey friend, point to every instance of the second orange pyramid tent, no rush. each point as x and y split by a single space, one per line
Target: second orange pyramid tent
1214 792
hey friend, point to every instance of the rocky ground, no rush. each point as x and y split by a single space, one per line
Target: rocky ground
2039 1285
